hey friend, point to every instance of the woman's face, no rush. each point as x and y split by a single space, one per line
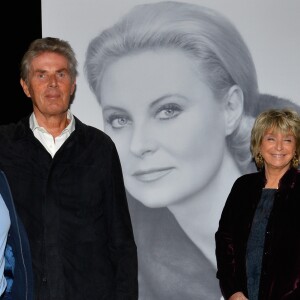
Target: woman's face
166 123
278 150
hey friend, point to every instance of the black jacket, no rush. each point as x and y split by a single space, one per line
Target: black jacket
280 274
21 275
75 211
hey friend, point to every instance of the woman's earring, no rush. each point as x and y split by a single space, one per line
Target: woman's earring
259 161
295 161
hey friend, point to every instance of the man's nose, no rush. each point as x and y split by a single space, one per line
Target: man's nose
52 81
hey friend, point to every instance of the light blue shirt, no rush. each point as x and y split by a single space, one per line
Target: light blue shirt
4 227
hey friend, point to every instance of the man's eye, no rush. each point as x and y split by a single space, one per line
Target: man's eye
61 74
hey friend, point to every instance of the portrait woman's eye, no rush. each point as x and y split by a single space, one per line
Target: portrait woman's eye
168 111
118 121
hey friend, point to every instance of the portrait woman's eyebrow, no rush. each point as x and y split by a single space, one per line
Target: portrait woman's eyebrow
179 94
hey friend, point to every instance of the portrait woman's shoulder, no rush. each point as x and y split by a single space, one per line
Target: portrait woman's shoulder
269 101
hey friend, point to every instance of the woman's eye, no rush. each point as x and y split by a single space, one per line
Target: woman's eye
118 121
168 111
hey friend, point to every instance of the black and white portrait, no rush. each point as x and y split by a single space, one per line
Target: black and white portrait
177 86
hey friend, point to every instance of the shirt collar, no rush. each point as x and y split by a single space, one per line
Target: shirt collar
33 124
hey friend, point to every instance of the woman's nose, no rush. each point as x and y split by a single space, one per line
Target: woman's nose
142 142
279 145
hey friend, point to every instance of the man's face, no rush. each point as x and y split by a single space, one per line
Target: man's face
50 84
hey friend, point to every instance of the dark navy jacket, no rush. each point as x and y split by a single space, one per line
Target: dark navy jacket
280 279
17 249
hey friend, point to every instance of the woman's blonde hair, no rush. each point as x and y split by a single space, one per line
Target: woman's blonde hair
279 120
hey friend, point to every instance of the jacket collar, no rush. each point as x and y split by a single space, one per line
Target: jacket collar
287 181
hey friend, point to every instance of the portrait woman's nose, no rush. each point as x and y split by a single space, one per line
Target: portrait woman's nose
143 141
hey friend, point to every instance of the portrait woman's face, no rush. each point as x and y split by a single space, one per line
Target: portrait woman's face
166 123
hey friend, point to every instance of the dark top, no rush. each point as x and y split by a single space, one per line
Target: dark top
255 245
75 212
280 269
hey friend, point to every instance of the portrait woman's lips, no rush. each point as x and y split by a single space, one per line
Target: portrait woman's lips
151 174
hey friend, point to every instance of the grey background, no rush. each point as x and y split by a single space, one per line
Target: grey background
271 29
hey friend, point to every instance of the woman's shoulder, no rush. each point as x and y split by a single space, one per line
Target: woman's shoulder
250 177
297 176
249 180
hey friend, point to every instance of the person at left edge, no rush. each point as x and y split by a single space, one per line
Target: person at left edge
16 280
67 183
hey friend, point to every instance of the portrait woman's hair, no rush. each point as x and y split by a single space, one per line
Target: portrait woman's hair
203 34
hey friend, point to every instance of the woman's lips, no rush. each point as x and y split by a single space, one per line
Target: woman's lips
151 174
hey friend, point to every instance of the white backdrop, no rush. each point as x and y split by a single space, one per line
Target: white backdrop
271 29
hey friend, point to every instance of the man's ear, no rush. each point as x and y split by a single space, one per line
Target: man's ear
25 88
234 107
73 88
